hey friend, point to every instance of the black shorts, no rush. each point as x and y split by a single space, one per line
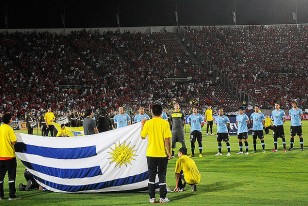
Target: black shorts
296 130
195 135
278 131
210 123
222 137
257 133
243 135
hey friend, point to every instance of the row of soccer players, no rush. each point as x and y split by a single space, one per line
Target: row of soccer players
242 120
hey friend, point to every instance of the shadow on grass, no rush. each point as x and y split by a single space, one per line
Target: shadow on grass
219 186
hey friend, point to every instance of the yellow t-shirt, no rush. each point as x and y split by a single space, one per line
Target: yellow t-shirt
157 130
63 132
267 122
189 168
7 136
49 117
209 115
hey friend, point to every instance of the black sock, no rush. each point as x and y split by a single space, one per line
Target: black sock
219 147
275 143
284 142
301 142
228 146
254 142
291 142
263 144
172 152
246 144
241 146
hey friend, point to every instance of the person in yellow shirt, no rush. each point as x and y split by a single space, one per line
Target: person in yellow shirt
7 156
268 123
158 151
209 120
63 132
49 119
186 170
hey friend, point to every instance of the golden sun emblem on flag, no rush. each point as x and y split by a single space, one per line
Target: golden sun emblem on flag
122 154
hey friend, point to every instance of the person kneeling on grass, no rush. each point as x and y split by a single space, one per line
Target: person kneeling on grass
31 183
186 172
63 132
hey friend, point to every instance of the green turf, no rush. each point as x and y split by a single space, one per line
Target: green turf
255 179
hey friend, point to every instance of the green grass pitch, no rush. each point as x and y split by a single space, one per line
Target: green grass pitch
255 179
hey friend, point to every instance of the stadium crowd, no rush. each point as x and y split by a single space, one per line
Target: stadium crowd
88 69
267 62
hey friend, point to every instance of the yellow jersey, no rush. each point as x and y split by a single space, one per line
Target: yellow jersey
49 117
189 168
63 132
157 130
7 136
209 115
267 122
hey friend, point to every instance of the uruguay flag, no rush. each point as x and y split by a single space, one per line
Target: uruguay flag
105 162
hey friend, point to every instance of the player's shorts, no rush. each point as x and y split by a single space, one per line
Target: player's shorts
222 137
296 130
177 136
195 135
257 133
278 131
243 135
209 122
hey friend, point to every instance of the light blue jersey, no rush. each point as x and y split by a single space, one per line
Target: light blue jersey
195 122
140 117
295 115
241 120
257 119
164 116
121 120
278 116
222 122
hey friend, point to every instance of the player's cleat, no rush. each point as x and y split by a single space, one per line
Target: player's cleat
191 155
284 150
302 149
207 133
218 154
14 198
200 155
212 134
152 200
164 200
291 148
29 185
246 153
229 154
239 153
194 188
21 187
263 151
274 150
172 157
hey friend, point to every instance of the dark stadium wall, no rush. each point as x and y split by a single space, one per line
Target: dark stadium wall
95 13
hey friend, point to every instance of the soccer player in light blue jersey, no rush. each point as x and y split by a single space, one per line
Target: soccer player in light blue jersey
196 123
141 115
222 123
258 119
296 115
122 119
242 129
164 115
278 116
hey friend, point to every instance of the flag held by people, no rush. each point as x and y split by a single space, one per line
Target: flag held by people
105 162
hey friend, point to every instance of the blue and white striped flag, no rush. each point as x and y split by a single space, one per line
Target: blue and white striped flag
110 161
